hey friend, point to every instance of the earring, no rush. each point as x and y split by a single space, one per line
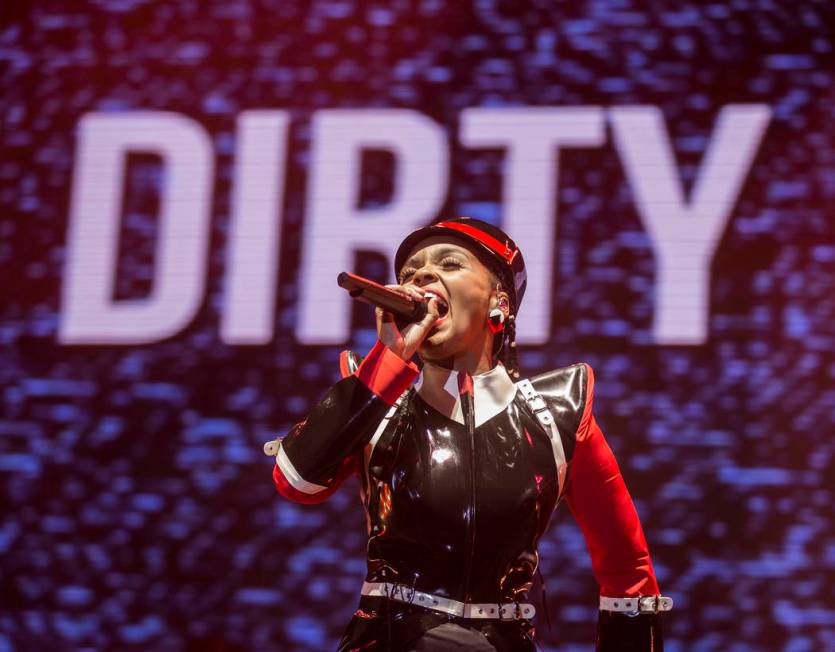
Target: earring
495 320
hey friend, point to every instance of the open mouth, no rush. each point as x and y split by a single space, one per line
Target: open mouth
443 306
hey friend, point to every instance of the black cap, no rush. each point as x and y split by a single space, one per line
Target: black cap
501 251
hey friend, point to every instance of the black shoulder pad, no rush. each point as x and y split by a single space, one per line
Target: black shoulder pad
567 390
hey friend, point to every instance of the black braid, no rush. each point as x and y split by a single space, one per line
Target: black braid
510 357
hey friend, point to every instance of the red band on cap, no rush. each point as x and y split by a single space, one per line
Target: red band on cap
487 240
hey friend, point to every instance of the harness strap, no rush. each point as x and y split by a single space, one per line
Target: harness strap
543 414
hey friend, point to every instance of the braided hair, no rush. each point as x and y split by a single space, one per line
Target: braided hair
504 343
510 357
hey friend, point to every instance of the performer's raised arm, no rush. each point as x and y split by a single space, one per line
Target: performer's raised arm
319 452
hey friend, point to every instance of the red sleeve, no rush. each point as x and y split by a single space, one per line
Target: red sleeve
598 499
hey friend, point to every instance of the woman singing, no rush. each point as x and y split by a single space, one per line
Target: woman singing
462 464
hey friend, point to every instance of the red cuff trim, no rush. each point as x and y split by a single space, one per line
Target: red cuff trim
291 493
348 467
385 373
585 421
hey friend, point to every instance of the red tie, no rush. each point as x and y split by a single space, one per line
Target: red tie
465 392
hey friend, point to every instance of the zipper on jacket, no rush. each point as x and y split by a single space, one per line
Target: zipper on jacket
465 391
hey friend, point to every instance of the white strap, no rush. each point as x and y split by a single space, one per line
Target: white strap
536 402
540 408
403 593
642 604
369 447
294 477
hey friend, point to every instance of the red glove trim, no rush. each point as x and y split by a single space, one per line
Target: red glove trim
385 373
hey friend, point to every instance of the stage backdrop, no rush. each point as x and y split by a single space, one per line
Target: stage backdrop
181 182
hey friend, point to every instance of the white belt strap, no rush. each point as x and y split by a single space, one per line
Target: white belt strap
403 593
642 604
540 408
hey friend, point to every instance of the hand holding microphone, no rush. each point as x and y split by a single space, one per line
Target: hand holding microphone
404 315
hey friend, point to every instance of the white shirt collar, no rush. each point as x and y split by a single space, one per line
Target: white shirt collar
492 392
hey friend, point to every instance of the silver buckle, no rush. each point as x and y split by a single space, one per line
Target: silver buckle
515 611
654 604
536 403
636 605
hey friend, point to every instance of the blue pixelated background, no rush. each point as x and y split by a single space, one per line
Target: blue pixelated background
138 510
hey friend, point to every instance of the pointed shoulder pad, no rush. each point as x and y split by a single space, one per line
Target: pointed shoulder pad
568 392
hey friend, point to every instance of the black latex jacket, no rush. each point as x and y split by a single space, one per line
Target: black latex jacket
459 487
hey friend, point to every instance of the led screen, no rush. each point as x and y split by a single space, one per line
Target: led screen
181 182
